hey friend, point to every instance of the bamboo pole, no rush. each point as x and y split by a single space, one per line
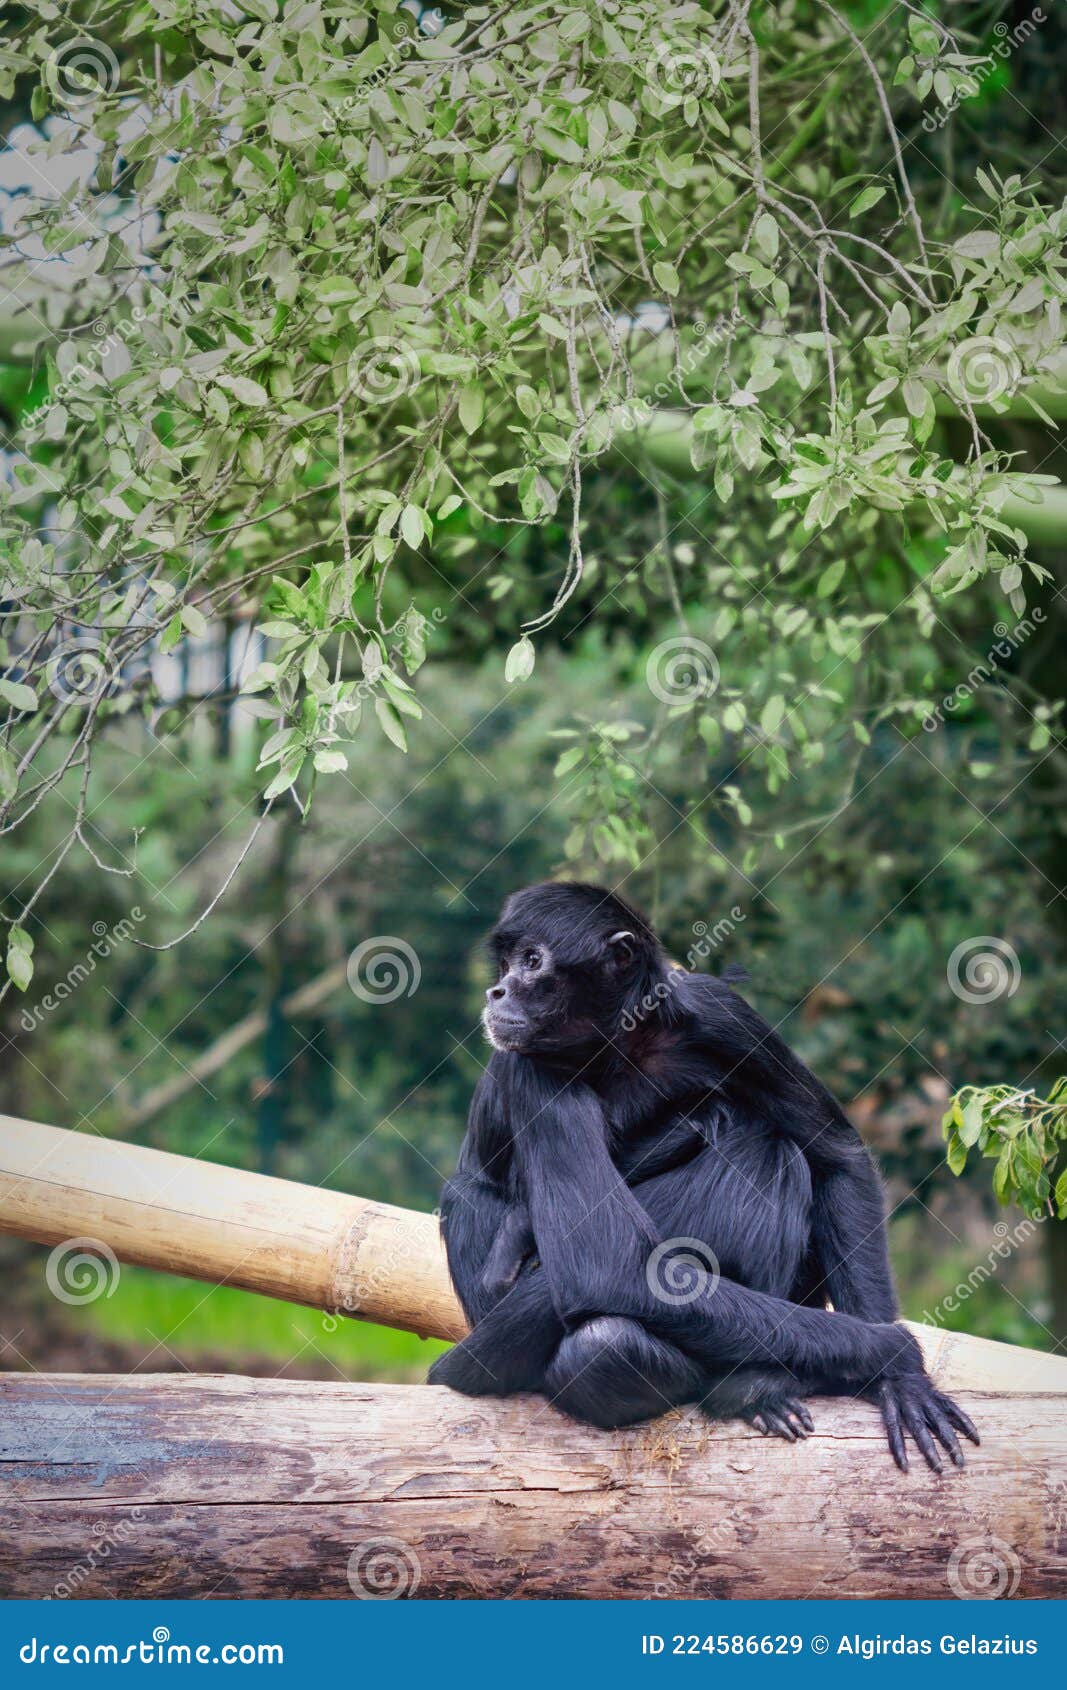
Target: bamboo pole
227 1226
308 1245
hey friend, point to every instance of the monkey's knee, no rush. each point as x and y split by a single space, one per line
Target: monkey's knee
611 1372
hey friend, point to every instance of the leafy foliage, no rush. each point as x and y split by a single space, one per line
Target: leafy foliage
1023 1133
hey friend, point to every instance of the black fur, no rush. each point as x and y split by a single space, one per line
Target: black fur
629 1105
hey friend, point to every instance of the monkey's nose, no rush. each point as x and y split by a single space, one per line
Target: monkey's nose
495 993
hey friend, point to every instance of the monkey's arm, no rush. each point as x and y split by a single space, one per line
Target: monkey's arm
476 1205
590 1228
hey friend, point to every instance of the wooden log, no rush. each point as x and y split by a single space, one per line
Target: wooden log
177 1485
372 1261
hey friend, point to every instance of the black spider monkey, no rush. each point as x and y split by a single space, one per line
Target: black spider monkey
630 1107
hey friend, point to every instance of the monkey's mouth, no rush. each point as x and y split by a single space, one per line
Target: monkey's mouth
505 1032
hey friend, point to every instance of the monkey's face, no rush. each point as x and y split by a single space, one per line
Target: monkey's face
546 1002
531 1004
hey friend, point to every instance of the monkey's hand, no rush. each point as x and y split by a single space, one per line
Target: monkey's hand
513 1247
911 1403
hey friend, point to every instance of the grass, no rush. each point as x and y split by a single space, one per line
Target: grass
203 1322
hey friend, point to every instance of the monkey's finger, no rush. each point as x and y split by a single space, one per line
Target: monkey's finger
802 1415
916 1424
893 1430
779 1425
797 1417
940 1424
955 1414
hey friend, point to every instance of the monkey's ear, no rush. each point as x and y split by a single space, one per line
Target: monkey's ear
622 947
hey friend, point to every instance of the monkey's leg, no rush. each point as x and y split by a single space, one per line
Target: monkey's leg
510 1347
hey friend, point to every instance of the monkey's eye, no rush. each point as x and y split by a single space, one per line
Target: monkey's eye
532 960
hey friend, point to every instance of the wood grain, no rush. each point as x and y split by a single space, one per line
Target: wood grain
209 1486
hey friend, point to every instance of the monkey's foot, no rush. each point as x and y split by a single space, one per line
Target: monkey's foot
782 1417
912 1404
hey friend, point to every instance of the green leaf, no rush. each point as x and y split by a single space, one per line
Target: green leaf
9 779
471 407
773 714
392 726
330 762
19 957
411 526
957 1154
971 1128
667 277
20 697
249 392
520 660
863 201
